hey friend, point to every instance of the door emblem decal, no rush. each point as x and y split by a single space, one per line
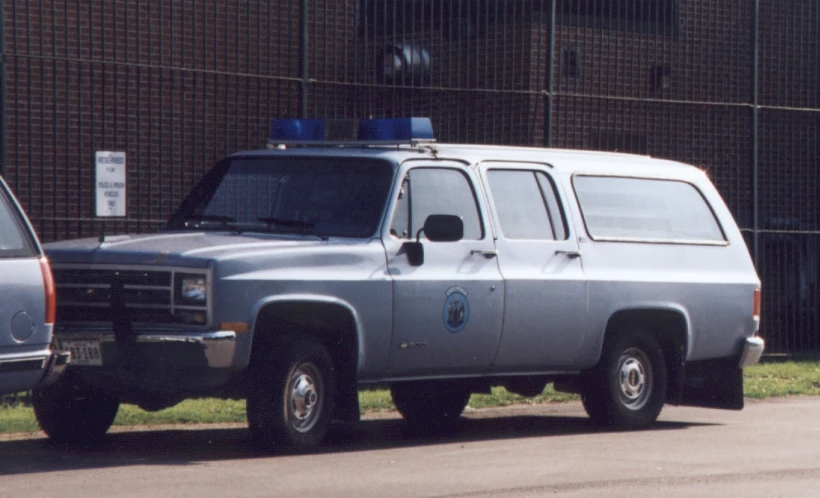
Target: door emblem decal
456 309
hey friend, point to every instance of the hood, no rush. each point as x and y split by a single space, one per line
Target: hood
187 249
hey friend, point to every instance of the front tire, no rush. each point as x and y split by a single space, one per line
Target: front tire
290 404
72 414
627 389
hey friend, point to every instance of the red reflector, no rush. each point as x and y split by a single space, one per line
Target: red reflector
51 293
756 304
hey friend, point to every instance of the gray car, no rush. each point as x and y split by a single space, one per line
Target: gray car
27 304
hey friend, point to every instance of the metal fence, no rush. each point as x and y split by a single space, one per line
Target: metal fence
728 85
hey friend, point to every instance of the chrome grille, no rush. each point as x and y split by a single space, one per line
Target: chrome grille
86 295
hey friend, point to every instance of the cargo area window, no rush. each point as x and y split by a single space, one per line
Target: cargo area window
527 205
645 210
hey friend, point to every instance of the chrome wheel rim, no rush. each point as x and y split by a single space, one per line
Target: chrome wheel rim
305 397
634 379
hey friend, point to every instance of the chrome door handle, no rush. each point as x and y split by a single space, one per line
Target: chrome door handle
487 254
569 254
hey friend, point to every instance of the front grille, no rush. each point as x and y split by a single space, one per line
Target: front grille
89 295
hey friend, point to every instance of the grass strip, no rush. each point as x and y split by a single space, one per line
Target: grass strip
789 378
760 381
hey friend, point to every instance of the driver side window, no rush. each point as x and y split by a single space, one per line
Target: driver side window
427 191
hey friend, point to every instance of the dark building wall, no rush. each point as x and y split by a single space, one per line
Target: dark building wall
790 128
477 87
175 85
678 90
178 84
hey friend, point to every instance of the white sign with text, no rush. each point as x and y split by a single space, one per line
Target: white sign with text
110 183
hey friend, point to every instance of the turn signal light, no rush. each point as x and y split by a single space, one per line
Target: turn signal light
51 293
756 305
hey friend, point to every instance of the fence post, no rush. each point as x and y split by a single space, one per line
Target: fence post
3 102
755 131
548 96
303 54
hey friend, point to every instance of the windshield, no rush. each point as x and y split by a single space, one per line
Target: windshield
328 196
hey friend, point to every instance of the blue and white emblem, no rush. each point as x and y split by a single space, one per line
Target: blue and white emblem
456 309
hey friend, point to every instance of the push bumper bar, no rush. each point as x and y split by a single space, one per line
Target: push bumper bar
55 366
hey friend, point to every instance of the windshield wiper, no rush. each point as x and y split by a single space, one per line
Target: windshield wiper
282 222
297 226
195 220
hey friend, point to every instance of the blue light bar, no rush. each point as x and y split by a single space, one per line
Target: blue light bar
298 129
396 129
340 132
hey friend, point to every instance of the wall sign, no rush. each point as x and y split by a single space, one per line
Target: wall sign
110 183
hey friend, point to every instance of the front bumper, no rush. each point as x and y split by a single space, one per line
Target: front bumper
216 347
155 361
213 349
752 350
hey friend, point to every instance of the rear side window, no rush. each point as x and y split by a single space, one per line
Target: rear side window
648 210
15 240
526 204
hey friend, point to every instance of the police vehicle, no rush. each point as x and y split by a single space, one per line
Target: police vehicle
291 276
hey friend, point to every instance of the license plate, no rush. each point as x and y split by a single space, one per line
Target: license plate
83 352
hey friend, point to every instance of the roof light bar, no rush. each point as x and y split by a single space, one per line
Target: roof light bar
396 129
298 129
351 132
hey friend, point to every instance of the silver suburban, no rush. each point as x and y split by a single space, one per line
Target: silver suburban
293 275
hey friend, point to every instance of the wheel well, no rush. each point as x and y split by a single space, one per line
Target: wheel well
668 327
332 324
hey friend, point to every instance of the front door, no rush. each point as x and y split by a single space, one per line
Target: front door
545 306
447 312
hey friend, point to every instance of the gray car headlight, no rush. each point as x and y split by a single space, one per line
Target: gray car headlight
192 289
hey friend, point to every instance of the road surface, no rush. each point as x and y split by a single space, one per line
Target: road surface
771 448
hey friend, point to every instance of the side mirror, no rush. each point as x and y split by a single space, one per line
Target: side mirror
443 228
437 228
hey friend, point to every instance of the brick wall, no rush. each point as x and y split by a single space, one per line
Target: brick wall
177 85
614 102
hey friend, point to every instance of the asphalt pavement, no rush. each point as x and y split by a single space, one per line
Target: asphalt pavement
771 448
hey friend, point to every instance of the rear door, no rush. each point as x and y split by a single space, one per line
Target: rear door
545 305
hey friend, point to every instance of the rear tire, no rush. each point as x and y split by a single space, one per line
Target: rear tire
430 404
290 404
74 415
627 389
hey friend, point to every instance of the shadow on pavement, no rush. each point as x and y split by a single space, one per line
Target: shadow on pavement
185 446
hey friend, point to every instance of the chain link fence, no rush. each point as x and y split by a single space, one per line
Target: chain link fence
728 85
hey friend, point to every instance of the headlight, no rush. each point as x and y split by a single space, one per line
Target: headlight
192 289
